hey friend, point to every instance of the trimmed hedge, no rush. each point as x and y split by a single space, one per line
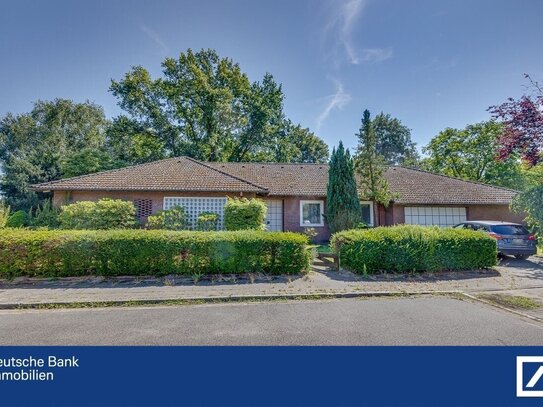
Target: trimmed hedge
245 214
104 214
62 253
414 248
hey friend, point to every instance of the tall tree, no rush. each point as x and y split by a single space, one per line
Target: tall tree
342 202
394 141
471 153
131 142
370 166
523 125
34 145
205 107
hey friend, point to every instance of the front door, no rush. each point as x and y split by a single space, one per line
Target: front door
274 217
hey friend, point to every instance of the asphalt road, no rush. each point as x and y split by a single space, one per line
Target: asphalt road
402 321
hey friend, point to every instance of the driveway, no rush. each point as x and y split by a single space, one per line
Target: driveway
377 321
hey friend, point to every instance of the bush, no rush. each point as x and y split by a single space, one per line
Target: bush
207 221
17 219
61 253
44 216
4 214
243 214
171 219
414 248
104 214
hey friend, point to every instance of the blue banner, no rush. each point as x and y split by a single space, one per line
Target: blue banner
271 376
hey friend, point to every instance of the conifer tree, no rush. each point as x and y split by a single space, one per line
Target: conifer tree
370 166
342 205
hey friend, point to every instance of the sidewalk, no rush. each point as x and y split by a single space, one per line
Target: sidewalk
323 280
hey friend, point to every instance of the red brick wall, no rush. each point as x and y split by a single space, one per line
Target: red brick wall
291 205
291 216
61 197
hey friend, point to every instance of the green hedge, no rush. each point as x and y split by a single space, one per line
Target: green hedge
245 214
104 214
414 248
60 253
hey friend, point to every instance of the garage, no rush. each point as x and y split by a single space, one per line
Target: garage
434 215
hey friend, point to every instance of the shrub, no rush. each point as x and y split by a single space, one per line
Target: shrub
171 219
207 221
104 214
45 215
4 214
17 219
60 253
414 248
243 214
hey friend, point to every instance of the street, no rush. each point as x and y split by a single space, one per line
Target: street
376 321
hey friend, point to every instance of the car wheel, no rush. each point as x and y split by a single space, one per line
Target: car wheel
521 256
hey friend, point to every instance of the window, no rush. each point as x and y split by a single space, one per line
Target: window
510 230
311 213
366 208
194 206
434 215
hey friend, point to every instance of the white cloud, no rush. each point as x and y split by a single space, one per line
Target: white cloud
376 54
342 21
337 100
153 35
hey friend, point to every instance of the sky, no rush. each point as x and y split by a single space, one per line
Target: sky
431 63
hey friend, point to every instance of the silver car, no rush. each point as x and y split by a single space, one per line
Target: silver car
512 238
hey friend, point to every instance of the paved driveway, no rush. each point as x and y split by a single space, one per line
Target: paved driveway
377 321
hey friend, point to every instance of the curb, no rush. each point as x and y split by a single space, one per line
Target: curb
221 299
492 304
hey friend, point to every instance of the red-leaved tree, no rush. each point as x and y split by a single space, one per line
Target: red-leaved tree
523 125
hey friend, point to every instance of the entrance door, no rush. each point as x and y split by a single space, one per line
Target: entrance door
274 217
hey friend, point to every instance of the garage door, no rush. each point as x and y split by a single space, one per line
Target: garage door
274 217
434 215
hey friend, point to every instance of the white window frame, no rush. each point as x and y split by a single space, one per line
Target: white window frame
372 219
310 225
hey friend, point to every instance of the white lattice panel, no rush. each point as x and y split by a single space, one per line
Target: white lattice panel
195 206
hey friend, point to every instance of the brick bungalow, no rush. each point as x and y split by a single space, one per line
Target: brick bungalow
295 193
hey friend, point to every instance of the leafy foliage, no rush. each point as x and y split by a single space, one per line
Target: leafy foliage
370 166
45 215
205 107
58 253
174 218
394 141
103 214
523 125
472 154
4 213
531 203
34 145
243 214
342 203
18 219
207 221
410 248
87 161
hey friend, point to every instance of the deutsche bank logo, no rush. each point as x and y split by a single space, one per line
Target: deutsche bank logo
529 376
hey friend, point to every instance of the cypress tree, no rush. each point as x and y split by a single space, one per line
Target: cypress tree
342 204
